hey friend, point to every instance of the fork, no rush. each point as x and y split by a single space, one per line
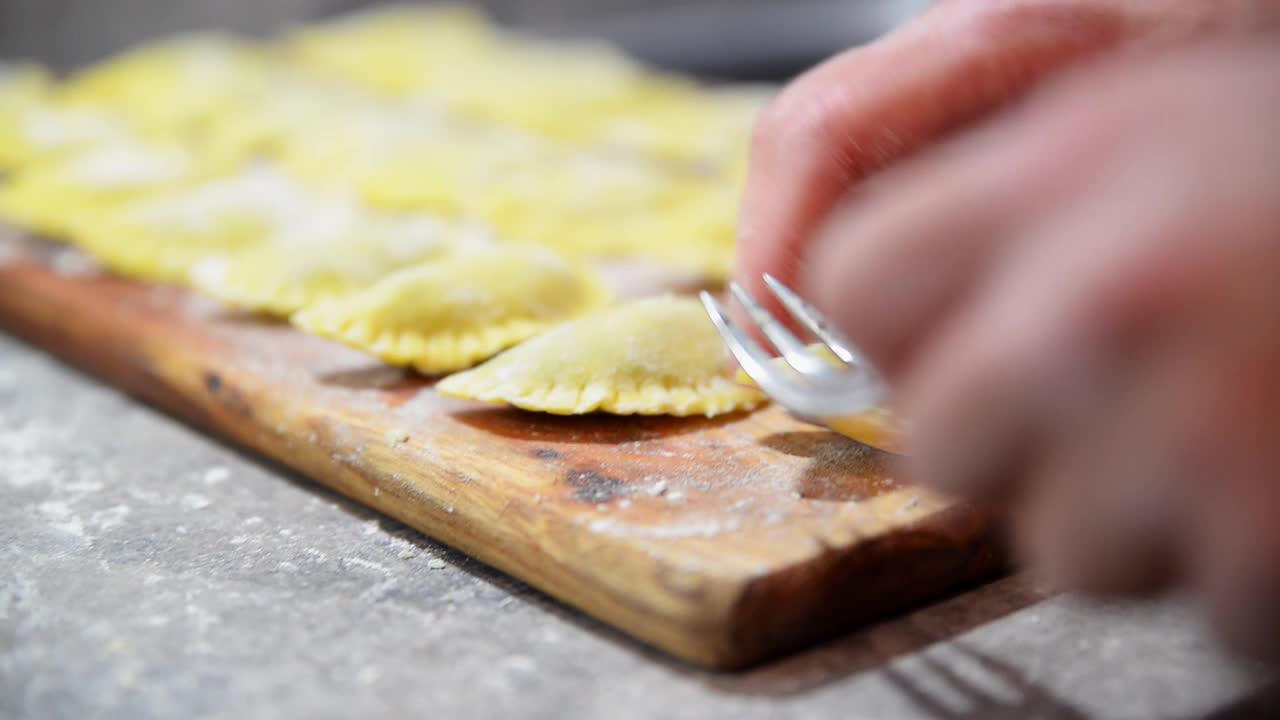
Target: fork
843 392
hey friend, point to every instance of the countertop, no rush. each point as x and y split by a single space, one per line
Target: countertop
149 571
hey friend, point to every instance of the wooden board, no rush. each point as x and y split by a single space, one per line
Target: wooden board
722 541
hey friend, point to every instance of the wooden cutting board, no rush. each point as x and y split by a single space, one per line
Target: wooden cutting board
723 542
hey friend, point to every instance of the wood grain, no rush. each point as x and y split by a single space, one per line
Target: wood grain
723 542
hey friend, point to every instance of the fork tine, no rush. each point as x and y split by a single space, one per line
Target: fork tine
753 359
814 320
796 354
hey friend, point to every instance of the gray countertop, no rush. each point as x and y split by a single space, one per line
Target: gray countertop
148 571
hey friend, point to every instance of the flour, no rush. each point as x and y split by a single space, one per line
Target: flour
194 501
10 253
691 529
216 475
118 166
71 263
48 129
61 517
366 564
102 520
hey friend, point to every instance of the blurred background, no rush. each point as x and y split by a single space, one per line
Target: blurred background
767 40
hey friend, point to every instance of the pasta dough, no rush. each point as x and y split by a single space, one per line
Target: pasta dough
169 86
163 236
22 84
40 130
660 356
338 254
47 197
394 51
445 316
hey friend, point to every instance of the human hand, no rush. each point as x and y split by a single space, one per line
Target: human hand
868 108
1080 307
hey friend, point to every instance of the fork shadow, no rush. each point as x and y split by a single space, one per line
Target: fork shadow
876 646
839 469
1017 699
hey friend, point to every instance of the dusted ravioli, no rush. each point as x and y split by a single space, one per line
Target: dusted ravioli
394 50
327 260
23 84
449 315
658 356
39 130
161 237
46 197
706 128
172 84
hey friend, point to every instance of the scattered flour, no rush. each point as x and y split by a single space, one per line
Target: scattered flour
195 501
69 262
216 475
366 564
62 517
698 528
111 517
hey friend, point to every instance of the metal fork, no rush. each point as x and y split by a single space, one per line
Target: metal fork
824 391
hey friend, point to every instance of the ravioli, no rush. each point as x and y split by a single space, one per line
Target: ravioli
698 234
455 58
342 253
445 168
408 156
394 51
23 84
578 188
47 197
445 316
555 90
283 105
161 237
168 86
40 130
707 130
658 356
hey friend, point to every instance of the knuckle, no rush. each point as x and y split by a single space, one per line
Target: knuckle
771 123
1073 25
804 115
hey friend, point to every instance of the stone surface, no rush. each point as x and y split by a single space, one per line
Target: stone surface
147 571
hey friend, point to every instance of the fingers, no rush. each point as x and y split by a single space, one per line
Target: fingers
980 392
865 109
1115 373
1237 569
1093 334
1105 510
1233 540
896 258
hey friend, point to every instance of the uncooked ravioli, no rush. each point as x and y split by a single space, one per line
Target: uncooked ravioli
341 251
23 83
169 86
658 356
41 129
161 237
448 315
46 197
393 50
